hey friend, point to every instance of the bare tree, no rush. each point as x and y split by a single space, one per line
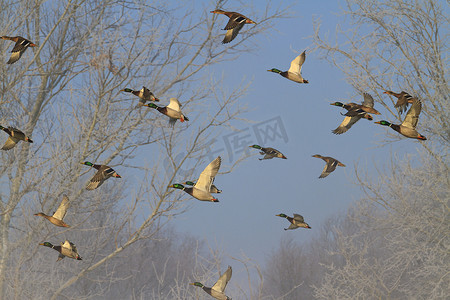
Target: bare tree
394 242
65 94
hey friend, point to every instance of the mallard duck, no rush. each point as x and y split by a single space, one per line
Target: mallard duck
234 25
353 115
19 48
218 289
295 71
202 189
58 216
365 107
296 222
144 94
403 99
269 152
172 110
67 249
213 188
103 173
330 166
15 135
408 126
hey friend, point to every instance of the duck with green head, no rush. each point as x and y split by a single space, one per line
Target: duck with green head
217 291
408 126
295 71
103 172
296 222
268 152
15 135
202 188
66 249
144 95
173 111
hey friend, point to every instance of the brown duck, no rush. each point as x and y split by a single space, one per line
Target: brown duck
15 135
234 25
403 99
58 216
330 166
19 48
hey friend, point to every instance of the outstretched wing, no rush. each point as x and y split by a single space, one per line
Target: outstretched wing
221 284
10 143
412 117
329 167
298 218
102 174
346 124
62 209
296 64
174 104
232 33
368 100
206 178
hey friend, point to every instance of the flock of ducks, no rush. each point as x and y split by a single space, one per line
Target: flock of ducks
203 188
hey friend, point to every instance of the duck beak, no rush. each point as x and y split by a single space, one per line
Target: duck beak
377 122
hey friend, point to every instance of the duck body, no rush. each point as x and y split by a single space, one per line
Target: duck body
217 291
268 152
295 71
234 25
296 222
408 126
213 188
330 166
403 99
21 45
58 216
202 188
66 249
103 172
15 135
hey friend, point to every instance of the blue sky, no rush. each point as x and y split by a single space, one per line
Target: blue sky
244 220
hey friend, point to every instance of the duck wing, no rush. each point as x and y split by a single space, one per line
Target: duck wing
412 117
232 33
297 63
236 20
60 213
10 143
206 178
174 104
368 100
221 284
103 173
329 167
346 124
299 218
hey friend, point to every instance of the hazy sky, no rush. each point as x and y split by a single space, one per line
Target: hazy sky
296 119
